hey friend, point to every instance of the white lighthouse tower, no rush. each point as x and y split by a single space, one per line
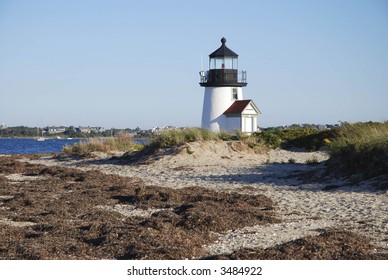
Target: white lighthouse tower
223 106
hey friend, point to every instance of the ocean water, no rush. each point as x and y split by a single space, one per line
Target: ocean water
32 146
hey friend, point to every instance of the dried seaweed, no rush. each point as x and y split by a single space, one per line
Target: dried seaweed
60 203
330 244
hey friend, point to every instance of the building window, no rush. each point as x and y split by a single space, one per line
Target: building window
234 94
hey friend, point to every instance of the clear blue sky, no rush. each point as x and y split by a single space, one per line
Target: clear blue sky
125 64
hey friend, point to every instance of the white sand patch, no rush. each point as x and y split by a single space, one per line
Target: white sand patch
21 178
130 211
300 156
6 197
11 223
265 236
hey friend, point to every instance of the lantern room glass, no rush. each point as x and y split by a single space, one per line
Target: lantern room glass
223 63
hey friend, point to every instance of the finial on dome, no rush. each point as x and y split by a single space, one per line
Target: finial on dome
223 40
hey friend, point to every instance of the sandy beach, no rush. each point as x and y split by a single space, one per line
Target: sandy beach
305 200
300 202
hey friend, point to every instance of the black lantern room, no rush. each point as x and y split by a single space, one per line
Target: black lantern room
223 69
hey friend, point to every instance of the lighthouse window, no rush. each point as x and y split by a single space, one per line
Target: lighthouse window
220 63
223 63
234 94
229 63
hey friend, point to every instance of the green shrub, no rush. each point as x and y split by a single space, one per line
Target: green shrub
307 138
269 138
225 135
241 135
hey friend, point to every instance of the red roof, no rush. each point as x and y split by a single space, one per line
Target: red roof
237 107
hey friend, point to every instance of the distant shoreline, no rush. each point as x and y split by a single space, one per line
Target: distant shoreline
74 138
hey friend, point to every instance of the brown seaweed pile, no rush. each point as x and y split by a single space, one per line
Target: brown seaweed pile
330 244
58 208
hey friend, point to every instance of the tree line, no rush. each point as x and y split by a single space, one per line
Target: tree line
70 132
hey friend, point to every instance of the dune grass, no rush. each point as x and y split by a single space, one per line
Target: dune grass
121 143
176 137
360 148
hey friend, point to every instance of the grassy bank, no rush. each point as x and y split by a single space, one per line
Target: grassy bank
178 137
360 148
309 139
122 143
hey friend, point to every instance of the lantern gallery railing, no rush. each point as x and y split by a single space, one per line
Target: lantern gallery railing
222 76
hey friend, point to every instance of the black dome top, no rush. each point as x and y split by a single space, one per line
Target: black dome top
223 51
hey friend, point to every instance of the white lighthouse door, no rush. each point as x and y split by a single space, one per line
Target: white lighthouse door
248 124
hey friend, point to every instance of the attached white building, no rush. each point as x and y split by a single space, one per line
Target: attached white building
242 115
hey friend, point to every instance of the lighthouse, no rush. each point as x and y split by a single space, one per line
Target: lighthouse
224 108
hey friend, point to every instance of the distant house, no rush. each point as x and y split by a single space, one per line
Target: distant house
132 134
157 130
3 126
88 129
97 129
55 129
242 115
83 129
